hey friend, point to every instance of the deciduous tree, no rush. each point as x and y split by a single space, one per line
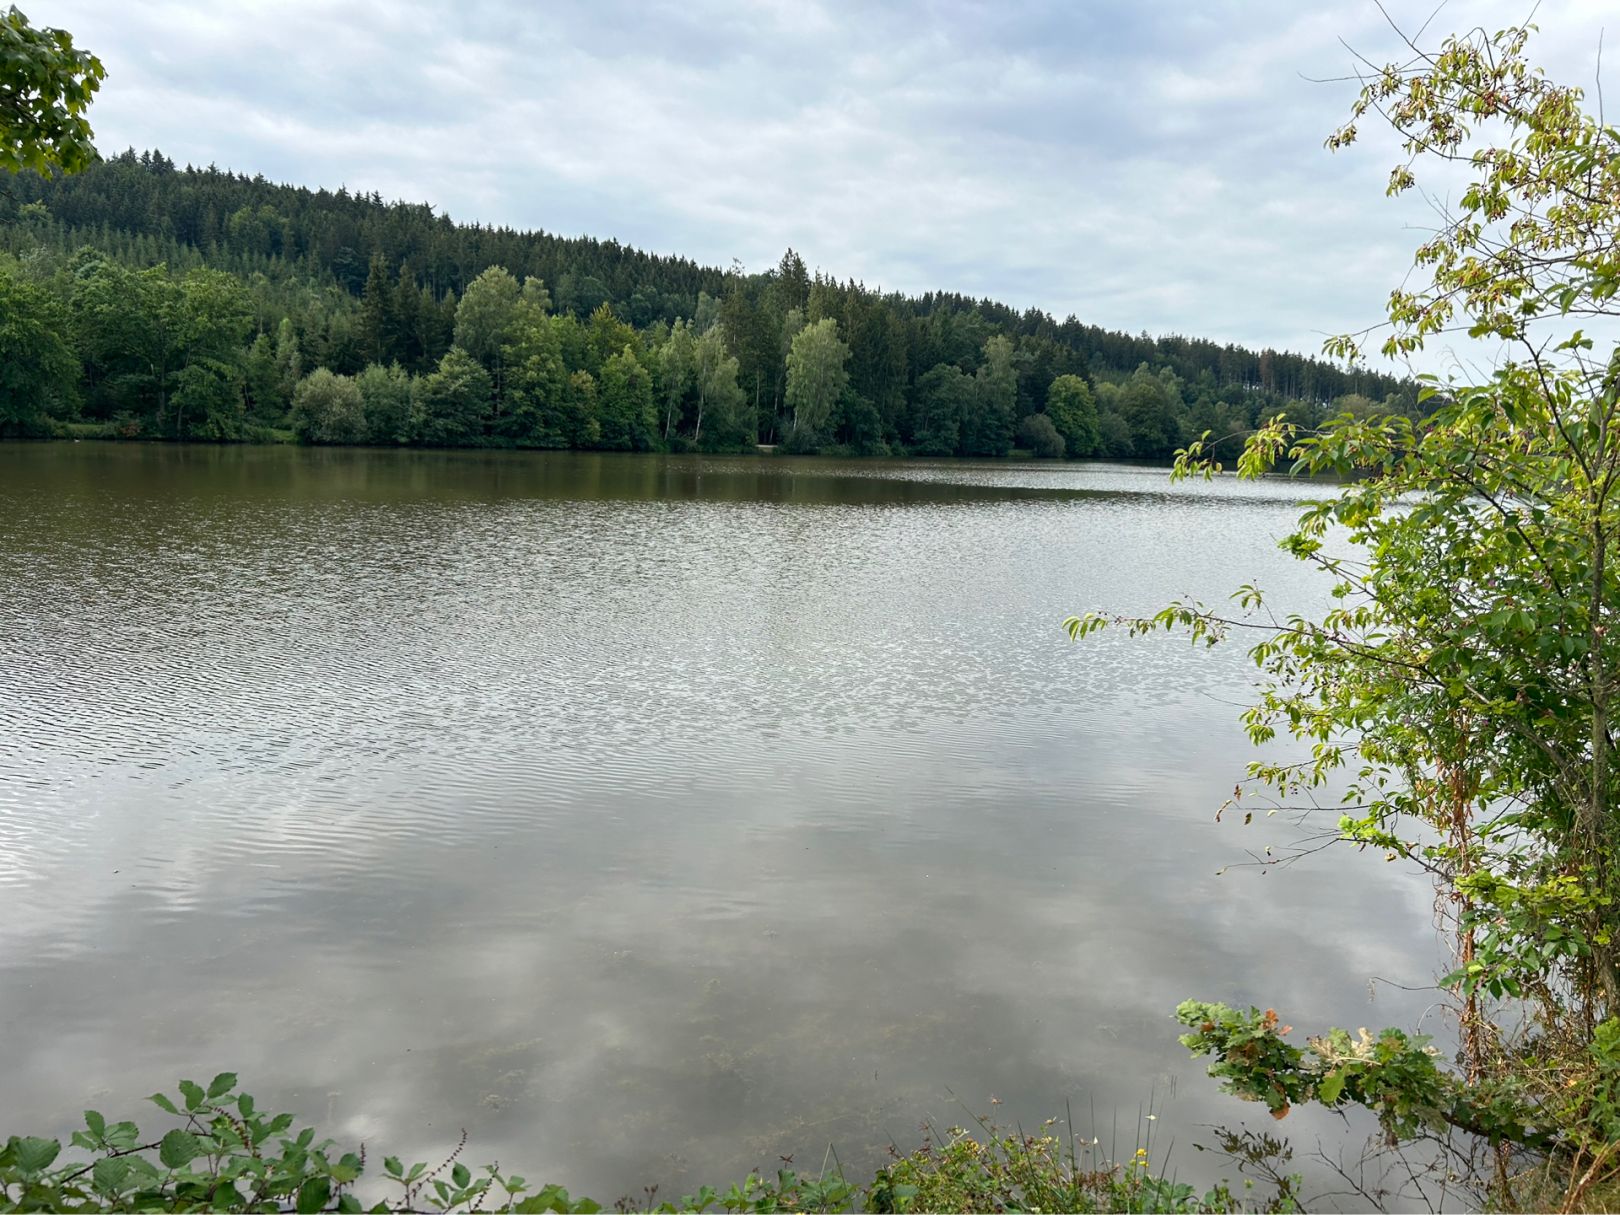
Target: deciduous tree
38 369
1073 411
46 84
1464 684
816 374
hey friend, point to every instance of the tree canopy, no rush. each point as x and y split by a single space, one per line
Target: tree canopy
344 281
46 84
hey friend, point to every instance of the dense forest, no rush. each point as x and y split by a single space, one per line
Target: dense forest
138 299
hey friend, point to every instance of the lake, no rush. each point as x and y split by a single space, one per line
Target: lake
649 817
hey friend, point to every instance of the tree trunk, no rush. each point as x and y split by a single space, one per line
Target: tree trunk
1595 829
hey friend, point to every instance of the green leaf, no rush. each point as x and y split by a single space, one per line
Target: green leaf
146 1170
34 1155
1330 1088
109 1174
392 1166
313 1195
163 1103
96 1123
461 1175
193 1093
221 1084
178 1148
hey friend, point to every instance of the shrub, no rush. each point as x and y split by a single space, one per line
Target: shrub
225 1154
1037 433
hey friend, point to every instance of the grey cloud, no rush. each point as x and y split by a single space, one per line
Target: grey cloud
1159 170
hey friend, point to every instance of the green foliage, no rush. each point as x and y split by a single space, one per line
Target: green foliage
38 369
605 337
127 327
487 315
226 1154
580 420
46 84
1393 1074
216 316
943 396
1114 436
453 404
536 384
385 402
267 399
676 368
207 401
860 425
1073 411
1532 235
816 374
720 397
328 408
1599 1102
1037 433
1150 403
1463 685
1462 689
628 414
987 425
344 281
993 1169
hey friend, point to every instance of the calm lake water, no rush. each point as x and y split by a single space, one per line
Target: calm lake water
650 818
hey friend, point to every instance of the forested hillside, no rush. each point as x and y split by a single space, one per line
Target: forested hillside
152 301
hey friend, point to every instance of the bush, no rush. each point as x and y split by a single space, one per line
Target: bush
328 408
802 442
1037 433
225 1154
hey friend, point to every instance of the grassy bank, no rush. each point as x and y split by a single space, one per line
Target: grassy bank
218 1151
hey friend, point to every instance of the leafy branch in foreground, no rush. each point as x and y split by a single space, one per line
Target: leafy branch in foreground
46 84
1461 691
1393 1074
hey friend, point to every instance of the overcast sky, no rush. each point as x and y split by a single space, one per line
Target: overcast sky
1144 166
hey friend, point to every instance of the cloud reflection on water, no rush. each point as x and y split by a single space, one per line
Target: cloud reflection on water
648 818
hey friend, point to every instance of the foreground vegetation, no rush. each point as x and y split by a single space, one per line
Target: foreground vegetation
1460 699
226 1154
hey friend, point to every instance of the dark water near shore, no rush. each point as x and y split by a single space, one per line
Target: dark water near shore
649 817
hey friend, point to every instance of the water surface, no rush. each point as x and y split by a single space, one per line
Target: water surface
648 817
